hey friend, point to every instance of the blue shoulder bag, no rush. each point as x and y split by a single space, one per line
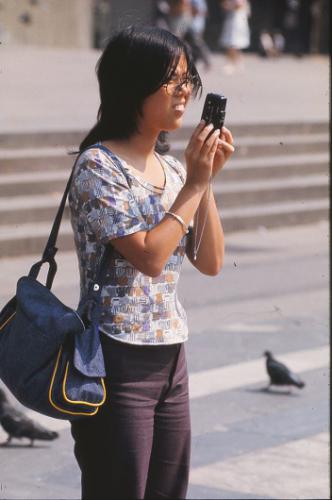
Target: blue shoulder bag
50 355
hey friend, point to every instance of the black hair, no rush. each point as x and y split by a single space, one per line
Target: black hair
135 63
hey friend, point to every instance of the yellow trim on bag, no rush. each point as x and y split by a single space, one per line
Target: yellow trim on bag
51 388
7 321
80 402
96 405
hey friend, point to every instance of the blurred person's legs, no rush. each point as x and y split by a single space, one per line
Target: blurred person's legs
234 61
272 44
138 445
199 48
267 44
233 54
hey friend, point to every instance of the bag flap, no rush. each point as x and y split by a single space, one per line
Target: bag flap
88 354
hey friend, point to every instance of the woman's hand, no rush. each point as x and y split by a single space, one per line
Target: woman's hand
224 150
200 155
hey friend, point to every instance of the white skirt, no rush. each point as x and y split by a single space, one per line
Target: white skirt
235 30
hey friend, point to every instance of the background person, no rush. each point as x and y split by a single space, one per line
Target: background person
199 12
235 34
181 21
179 17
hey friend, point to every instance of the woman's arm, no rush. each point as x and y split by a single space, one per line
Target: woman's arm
210 255
149 251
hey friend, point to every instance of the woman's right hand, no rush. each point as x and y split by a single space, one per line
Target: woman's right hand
199 155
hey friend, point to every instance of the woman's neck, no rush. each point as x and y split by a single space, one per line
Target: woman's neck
139 147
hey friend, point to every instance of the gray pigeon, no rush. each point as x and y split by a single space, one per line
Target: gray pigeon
280 374
17 425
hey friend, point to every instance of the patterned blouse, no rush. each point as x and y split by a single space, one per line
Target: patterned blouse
108 201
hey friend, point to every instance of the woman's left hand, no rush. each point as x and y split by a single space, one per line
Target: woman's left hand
224 151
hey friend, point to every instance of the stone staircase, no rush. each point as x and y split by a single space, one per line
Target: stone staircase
278 176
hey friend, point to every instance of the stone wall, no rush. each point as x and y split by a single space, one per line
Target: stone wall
50 23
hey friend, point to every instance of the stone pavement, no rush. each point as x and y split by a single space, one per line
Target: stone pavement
272 293
54 89
247 444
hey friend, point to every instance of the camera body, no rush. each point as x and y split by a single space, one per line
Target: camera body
214 110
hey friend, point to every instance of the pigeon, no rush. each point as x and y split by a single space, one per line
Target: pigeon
280 374
17 425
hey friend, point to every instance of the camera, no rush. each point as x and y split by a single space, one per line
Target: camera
214 110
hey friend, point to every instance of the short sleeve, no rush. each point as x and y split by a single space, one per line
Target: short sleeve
101 190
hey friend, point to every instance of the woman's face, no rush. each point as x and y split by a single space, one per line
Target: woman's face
164 109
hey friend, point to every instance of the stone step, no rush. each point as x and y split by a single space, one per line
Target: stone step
42 207
58 158
30 238
67 138
242 169
274 215
24 209
235 194
272 180
270 167
254 147
43 159
33 183
259 129
41 139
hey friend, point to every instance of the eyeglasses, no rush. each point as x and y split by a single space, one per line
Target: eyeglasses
175 87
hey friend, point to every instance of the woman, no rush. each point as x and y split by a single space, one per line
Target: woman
235 34
127 195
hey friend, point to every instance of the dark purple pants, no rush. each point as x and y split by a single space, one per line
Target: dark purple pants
138 444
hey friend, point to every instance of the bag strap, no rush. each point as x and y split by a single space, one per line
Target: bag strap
50 249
